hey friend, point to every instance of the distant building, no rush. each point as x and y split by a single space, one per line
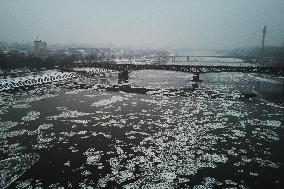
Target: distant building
105 52
119 53
40 49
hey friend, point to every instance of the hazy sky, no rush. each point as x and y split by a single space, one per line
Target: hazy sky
211 24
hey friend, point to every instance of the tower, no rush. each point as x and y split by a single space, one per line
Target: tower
263 37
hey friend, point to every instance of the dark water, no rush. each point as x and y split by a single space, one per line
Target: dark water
159 130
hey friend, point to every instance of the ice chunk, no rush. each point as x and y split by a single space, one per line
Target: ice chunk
32 115
109 101
69 114
13 168
273 123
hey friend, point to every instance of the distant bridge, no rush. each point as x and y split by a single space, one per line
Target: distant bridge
186 58
208 56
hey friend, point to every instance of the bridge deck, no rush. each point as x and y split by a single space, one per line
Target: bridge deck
208 56
195 69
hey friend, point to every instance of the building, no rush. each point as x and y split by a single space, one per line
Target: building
119 52
40 49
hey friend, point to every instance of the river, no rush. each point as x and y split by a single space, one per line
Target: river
159 130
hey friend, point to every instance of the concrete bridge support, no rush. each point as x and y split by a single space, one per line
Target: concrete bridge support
123 77
195 77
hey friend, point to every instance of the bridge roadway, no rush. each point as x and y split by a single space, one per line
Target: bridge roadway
175 58
206 56
194 69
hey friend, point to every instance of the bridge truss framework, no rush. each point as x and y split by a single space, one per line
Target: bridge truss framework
194 69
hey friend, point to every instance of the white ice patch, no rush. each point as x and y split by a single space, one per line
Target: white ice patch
266 163
24 184
4 126
32 115
44 141
169 176
44 126
69 114
215 158
21 106
265 134
239 133
109 101
93 156
234 113
273 123
84 122
37 98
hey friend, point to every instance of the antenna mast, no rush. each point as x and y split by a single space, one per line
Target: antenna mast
262 44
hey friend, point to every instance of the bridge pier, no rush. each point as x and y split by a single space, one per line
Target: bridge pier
123 77
195 85
195 77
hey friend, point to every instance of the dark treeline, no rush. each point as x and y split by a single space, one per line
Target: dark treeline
30 62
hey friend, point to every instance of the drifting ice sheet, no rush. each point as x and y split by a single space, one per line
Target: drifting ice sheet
13 168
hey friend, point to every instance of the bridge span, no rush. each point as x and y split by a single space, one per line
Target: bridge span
193 69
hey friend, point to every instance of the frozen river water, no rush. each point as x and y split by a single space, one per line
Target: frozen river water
160 130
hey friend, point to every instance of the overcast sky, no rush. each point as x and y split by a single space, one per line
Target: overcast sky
211 24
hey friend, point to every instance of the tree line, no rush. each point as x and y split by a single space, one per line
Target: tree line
8 62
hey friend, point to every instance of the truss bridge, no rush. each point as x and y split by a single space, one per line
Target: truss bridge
193 69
